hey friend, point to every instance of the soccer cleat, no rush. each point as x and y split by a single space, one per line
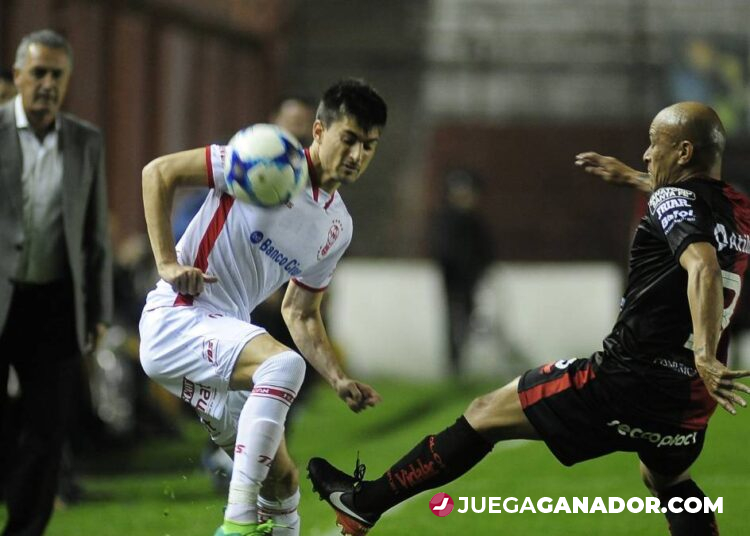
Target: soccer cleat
339 490
252 529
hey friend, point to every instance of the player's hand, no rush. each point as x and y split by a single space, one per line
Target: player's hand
185 279
721 385
611 170
357 395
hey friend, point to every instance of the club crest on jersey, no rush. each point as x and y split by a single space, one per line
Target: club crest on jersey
333 234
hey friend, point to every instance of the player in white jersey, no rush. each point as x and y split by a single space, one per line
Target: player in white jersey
197 336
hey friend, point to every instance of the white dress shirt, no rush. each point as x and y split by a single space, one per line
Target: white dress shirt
43 259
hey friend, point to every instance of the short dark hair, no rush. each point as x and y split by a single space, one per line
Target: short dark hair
354 97
48 38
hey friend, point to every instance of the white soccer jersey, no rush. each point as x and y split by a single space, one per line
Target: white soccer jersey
252 250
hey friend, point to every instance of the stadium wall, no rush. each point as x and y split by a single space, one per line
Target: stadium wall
388 316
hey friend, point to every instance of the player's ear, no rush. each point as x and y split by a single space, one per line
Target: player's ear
317 130
685 151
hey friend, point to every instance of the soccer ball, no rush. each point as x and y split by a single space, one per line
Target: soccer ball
265 166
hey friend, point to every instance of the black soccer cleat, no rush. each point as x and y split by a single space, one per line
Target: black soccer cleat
339 490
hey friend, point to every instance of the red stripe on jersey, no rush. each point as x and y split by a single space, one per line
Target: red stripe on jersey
212 232
534 394
183 300
306 287
741 218
702 405
207 242
209 168
740 208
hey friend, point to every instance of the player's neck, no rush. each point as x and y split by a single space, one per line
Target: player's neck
329 186
702 173
325 181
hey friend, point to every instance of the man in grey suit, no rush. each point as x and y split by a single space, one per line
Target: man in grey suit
55 269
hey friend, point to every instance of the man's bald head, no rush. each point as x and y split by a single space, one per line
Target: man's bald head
698 124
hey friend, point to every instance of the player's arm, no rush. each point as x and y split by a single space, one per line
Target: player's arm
161 178
706 299
301 312
613 171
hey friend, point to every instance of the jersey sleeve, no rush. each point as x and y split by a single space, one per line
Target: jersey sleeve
215 155
682 217
317 278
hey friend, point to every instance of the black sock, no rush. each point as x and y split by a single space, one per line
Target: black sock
684 523
436 460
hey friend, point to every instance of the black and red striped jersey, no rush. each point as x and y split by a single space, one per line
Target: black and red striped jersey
652 336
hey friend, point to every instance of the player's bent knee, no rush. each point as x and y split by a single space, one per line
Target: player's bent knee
498 415
285 370
480 410
493 406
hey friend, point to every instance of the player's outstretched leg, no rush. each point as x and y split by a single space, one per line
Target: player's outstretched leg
434 461
259 432
683 487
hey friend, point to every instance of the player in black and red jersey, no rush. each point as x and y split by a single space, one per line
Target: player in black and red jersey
662 369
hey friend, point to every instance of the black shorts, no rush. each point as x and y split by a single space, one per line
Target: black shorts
570 409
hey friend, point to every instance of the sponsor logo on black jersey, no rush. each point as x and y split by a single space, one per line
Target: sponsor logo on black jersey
729 239
671 206
665 194
671 218
676 366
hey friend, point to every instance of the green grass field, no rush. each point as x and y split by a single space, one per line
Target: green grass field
159 490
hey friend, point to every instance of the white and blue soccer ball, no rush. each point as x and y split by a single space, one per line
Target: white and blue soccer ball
265 166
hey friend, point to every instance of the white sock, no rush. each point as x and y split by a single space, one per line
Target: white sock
259 431
284 512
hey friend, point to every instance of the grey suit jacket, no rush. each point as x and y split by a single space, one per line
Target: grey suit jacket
85 218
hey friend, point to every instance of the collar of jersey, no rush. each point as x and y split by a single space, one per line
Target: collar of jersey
315 184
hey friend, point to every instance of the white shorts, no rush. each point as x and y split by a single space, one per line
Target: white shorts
191 351
223 430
